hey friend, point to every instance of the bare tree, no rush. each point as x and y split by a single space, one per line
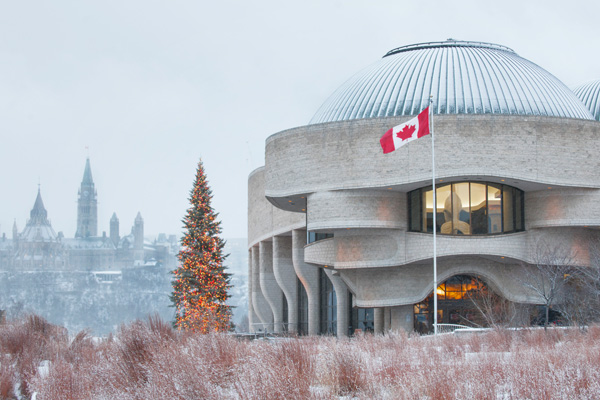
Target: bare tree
549 277
243 325
495 310
582 300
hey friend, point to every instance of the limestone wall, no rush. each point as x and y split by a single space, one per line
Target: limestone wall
347 154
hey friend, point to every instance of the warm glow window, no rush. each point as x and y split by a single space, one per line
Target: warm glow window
459 302
467 208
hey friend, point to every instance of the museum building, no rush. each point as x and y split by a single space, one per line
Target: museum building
340 235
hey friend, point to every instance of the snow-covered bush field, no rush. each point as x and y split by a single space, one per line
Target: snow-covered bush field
148 360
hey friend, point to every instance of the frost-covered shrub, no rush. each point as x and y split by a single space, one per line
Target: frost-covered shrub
149 360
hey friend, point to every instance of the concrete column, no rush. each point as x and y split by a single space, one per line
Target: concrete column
269 286
283 268
251 314
309 276
378 320
343 308
402 318
261 306
387 319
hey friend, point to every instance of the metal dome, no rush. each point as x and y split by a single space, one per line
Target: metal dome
589 94
462 77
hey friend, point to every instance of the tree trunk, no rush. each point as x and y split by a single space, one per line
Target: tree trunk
547 316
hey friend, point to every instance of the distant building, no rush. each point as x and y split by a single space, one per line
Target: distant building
39 247
89 281
340 236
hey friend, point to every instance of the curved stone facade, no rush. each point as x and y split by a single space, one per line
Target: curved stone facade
332 181
529 152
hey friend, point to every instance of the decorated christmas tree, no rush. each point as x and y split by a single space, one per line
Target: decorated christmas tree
201 283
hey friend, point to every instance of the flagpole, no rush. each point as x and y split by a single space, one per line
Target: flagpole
435 305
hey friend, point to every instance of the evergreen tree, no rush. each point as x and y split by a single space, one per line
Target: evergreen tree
201 283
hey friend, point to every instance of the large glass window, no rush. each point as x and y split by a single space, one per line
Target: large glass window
494 208
478 209
285 312
361 319
467 208
316 236
328 305
302 309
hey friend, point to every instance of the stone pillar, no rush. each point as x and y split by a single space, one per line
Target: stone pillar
283 268
268 284
378 320
402 318
252 318
261 306
309 276
387 319
343 308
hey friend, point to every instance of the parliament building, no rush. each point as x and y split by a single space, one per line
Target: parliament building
37 247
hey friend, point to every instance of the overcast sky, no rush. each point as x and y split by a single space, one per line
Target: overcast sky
151 87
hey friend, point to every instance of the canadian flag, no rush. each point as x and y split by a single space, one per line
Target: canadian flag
406 132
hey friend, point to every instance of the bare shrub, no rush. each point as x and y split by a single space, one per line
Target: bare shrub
148 361
277 370
134 353
160 328
28 342
6 379
177 374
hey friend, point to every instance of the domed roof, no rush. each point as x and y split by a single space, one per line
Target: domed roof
589 94
462 77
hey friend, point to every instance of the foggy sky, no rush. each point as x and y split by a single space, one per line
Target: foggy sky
150 87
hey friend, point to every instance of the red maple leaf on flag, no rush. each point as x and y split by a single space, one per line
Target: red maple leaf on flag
406 132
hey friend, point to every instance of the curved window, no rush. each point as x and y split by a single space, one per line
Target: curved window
467 208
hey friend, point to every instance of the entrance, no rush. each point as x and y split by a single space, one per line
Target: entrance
456 305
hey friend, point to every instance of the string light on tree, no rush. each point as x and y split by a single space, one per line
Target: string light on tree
201 285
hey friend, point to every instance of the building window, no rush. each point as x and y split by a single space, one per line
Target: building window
328 305
285 312
316 236
467 208
361 319
302 309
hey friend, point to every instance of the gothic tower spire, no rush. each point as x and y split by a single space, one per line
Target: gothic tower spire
138 237
87 205
114 229
15 232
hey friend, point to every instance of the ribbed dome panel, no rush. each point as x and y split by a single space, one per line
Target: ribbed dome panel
589 94
462 77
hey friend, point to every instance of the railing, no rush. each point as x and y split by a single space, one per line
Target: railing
449 328
268 328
